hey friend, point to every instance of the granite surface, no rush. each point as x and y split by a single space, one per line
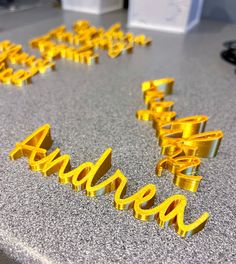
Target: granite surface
93 108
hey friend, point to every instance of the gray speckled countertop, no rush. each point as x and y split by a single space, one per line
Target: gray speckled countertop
92 108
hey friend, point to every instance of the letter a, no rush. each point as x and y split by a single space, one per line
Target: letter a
38 142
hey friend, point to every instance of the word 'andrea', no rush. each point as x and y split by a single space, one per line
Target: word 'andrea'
86 177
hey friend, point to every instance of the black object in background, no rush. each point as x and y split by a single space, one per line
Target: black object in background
229 55
7 2
126 4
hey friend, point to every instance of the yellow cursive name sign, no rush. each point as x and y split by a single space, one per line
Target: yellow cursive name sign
86 177
81 44
183 140
12 54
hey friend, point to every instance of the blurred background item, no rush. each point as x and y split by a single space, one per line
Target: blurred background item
223 10
229 54
92 6
167 15
20 5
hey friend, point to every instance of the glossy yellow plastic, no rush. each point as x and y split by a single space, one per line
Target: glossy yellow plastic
156 117
21 77
93 59
20 58
67 37
36 42
54 32
86 38
81 25
151 96
52 54
187 126
145 115
84 56
87 177
184 137
115 50
160 107
3 57
142 40
29 61
183 140
6 75
44 65
45 46
118 35
206 143
115 27
13 54
164 85
2 66
128 49
128 37
13 50
4 45
184 169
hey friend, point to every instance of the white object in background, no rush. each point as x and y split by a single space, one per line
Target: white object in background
167 15
92 6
